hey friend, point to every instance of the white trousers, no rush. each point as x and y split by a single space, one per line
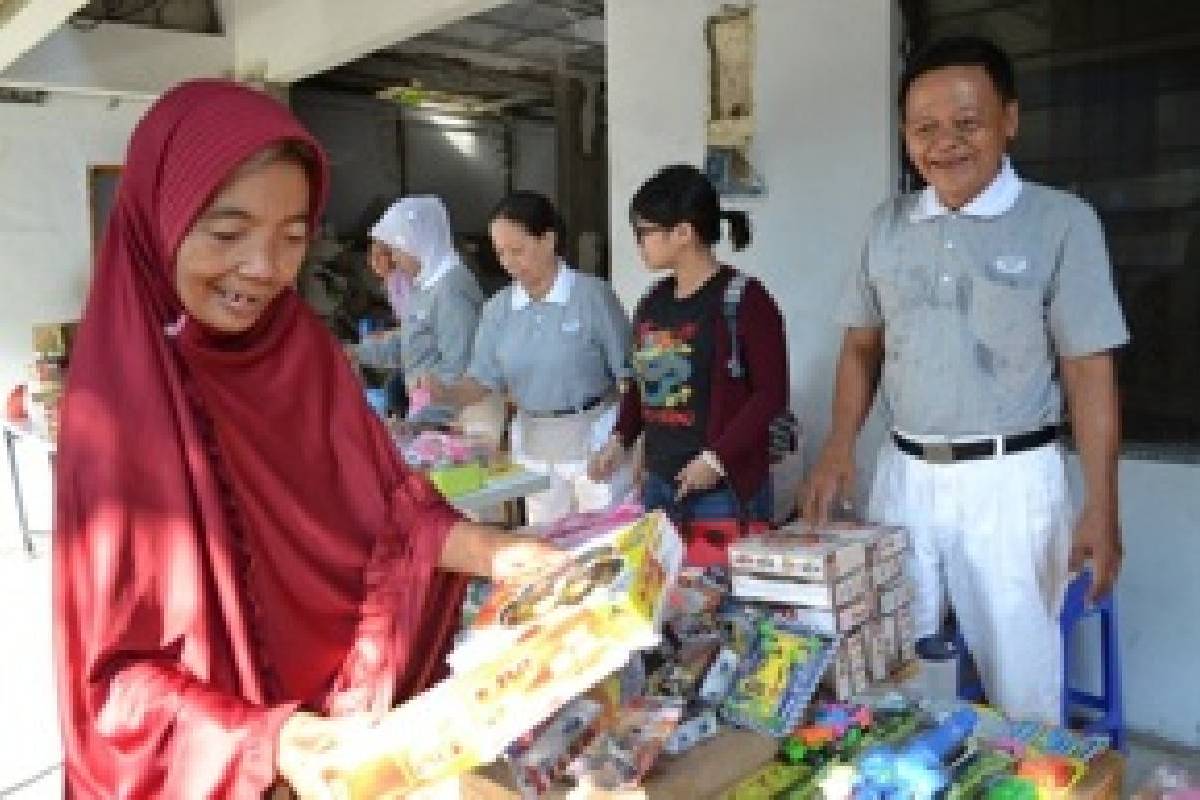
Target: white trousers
993 535
570 489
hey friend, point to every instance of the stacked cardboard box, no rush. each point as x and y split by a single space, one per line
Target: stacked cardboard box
822 584
852 581
889 631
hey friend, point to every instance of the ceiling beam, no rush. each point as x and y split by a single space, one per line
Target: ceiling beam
25 23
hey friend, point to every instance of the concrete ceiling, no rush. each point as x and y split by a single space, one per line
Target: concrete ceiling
510 53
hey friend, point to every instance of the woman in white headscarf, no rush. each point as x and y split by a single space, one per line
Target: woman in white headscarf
435 298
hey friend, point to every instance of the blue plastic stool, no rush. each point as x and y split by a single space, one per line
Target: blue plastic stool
1106 713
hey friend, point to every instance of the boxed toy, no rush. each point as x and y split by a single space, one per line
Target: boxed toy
778 676
800 557
533 649
800 593
618 757
826 620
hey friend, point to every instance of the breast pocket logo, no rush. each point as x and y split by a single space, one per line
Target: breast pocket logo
1011 265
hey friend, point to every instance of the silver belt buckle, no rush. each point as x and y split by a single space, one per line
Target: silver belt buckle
938 452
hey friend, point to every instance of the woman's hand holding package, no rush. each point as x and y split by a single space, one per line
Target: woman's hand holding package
312 748
520 557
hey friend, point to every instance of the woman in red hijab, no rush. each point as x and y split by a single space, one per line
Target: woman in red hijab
240 557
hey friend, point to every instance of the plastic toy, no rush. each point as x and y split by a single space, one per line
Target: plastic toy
980 771
770 781
917 770
1051 775
1012 789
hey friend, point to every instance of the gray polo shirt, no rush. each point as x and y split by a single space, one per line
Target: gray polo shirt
977 306
558 353
437 331
439 323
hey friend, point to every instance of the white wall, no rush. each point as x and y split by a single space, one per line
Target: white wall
45 240
826 146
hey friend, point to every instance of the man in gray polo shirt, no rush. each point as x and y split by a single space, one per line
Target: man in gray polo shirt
978 301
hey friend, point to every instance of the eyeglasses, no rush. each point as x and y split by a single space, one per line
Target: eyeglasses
640 231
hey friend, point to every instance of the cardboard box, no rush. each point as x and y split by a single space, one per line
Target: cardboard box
800 593
881 541
881 646
828 620
797 557
888 571
906 635
890 598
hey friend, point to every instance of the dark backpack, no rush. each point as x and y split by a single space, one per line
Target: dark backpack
783 434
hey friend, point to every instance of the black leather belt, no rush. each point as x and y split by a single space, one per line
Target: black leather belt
569 412
949 452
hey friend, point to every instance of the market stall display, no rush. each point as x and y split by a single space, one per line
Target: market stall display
532 649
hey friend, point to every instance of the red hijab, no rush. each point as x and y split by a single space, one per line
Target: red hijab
235 536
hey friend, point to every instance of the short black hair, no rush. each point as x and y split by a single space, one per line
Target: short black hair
534 212
682 193
962 51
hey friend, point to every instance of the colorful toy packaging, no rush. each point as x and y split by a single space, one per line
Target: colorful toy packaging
777 678
533 649
620 756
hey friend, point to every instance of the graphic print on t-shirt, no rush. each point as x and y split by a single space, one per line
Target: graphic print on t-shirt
663 363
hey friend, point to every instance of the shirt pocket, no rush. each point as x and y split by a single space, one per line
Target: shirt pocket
1008 308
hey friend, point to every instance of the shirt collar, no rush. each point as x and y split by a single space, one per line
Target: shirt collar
559 293
999 196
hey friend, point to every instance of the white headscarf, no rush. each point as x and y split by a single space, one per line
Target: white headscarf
420 227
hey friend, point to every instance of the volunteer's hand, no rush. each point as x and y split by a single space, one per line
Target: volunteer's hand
308 745
602 464
438 391
697 476
1098 539
831 480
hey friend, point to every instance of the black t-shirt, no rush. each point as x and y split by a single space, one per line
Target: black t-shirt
673 352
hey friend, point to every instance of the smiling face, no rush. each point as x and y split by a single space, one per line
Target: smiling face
956 130
246 246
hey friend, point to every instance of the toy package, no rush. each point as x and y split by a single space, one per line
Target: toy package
532 650
1026 739
620 756
542 756
776 679
799 557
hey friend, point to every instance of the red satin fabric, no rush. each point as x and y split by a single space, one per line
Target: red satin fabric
235 536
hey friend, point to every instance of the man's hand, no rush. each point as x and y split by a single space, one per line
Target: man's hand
602 464
831 481
1098 539
697 476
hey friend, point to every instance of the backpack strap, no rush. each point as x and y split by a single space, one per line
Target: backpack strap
729 309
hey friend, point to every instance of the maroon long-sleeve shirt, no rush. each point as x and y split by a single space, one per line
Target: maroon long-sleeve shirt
740 409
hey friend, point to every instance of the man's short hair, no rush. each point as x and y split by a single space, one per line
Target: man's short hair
962 51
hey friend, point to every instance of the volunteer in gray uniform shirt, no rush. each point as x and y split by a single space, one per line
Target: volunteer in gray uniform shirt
440 309
556 341
973 299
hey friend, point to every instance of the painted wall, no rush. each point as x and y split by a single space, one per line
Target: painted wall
825 145
45 240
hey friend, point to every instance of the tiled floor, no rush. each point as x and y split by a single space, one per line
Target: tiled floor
29 750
